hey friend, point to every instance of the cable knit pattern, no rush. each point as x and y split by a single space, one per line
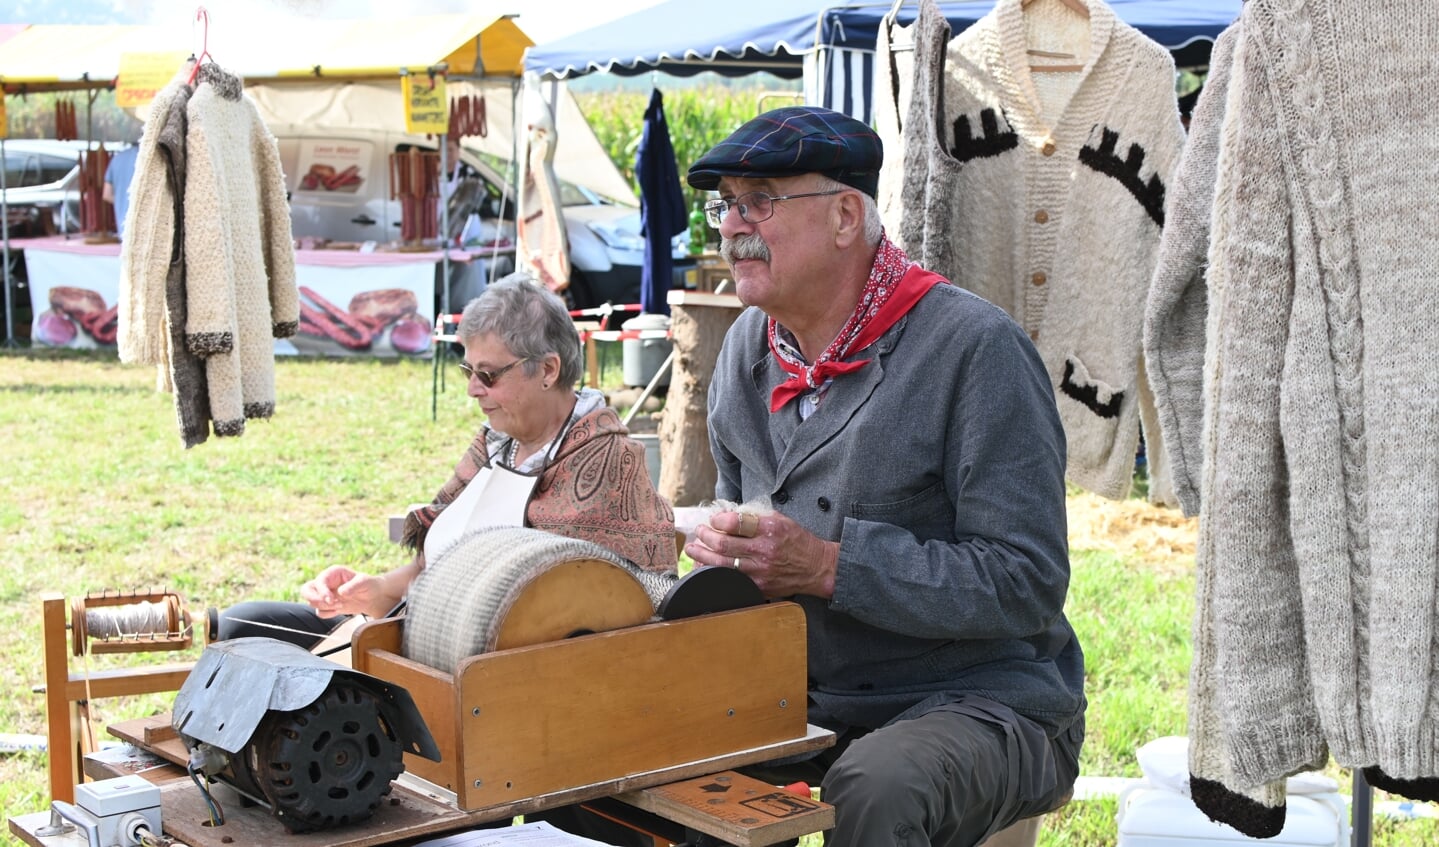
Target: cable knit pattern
1055 218
1322 393
240 260
1174 320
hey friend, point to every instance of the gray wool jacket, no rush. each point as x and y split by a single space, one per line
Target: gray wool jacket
939 468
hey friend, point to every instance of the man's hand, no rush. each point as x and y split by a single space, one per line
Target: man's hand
783 558
338 590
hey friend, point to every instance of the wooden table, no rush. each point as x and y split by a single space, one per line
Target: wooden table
704 796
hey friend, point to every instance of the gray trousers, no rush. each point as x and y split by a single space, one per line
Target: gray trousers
950 775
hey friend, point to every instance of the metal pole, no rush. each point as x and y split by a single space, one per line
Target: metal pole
1361 811
5 234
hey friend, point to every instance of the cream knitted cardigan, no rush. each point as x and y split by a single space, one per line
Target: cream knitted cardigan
240 258
1318 555
148 247
1057 224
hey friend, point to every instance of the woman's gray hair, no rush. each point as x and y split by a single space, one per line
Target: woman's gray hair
530 319
873 226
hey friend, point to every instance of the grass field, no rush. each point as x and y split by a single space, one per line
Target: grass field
97 493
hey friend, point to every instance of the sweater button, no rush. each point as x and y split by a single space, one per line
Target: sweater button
1039 278
1041 217
1034 335
823 504
781 496
1048 148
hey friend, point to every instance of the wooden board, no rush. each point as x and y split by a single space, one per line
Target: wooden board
735 808
535 720
410 812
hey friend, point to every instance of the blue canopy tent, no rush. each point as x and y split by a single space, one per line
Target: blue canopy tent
830 45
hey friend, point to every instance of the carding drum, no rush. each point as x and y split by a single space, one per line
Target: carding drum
503 587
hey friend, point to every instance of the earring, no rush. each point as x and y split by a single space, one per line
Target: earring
545 386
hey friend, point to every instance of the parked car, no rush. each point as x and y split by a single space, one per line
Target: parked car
42 185
605 246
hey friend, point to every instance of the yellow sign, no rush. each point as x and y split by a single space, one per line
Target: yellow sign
142 75
427 108
4 121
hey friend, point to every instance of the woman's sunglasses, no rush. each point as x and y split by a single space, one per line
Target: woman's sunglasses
487 378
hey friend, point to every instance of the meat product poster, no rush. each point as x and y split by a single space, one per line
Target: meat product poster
74 299
383 311
330 166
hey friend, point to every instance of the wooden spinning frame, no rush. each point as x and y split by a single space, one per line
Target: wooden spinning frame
68 694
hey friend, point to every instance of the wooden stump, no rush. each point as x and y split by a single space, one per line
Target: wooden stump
698 325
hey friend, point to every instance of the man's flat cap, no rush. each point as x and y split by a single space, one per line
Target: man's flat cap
792 141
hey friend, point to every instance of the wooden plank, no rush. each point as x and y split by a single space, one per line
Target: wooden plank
376 651
680 297
413 811
735 808
121 682
62 717
130 760
540 719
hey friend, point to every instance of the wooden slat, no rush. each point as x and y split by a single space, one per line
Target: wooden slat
376 651
543 718
735 808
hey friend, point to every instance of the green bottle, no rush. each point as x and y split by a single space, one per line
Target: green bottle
699 229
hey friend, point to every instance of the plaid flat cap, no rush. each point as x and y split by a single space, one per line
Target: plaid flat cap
792 141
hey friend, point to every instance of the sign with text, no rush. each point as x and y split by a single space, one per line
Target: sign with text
427 108
142 75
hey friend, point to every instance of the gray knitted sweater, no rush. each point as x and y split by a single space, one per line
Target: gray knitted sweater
1318 553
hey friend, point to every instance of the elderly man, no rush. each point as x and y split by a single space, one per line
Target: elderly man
906 434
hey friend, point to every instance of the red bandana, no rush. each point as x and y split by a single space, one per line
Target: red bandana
895 285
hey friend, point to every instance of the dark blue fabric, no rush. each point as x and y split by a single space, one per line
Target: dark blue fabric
662 206
795 140
682 37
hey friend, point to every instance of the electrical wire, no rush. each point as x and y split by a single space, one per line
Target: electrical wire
217 815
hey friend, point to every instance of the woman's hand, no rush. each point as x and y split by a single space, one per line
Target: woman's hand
338 590
783 558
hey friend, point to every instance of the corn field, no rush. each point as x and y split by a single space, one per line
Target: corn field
697 117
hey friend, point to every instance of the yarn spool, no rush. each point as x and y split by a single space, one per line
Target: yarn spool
504 587
129 622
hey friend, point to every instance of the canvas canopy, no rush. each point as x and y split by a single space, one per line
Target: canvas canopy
828 44
60 58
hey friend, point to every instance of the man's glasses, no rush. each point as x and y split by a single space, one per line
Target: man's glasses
754 207
487 378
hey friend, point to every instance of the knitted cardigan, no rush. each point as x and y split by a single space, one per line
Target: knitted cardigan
1317 556
1174 318
1057 224
239 256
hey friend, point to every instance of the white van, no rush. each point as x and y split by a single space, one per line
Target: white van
339 186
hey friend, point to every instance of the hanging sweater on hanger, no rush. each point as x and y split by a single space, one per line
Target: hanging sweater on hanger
1317 556
1047 199
1174 320
239 254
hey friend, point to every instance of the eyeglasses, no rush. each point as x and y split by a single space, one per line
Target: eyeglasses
754 207
487 378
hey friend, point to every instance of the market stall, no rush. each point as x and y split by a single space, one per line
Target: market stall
331 74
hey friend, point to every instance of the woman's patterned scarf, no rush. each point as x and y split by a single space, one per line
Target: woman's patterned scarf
892 290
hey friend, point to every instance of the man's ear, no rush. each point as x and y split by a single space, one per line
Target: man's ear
850 213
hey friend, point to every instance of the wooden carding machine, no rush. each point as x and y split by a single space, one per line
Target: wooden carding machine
537 717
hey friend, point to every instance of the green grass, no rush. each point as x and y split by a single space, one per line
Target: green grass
96 492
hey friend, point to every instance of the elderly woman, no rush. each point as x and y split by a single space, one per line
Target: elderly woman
550 457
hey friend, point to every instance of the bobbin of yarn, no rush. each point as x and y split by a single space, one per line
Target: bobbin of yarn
129 622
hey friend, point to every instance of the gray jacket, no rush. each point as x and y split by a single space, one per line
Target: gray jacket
939 467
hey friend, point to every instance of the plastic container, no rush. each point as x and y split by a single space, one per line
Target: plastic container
641 357
1155 817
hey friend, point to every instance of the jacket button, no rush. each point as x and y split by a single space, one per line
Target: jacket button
781 496
1039 278
1048 148
824 504
1041 217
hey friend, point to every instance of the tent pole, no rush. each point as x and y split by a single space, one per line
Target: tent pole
5 235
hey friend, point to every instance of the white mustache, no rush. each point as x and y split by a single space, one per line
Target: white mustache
749 246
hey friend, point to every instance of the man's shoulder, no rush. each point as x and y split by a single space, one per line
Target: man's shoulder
947 306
